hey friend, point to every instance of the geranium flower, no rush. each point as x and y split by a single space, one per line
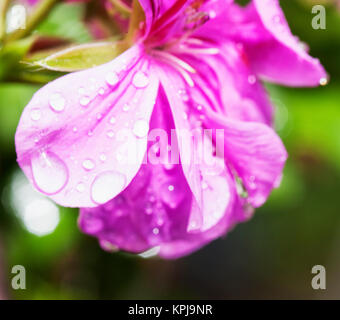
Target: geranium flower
192 65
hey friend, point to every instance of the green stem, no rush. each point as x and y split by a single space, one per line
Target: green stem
3 11
137 17
40 12
121 7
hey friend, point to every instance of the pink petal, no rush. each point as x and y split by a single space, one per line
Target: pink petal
82 138
280 57
256 153
210 184
154 210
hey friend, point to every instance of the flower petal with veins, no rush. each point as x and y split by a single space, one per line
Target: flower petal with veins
80 129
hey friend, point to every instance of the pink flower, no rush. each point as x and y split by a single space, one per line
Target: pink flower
195 65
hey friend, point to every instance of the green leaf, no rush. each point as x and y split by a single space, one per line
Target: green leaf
80 57
66 21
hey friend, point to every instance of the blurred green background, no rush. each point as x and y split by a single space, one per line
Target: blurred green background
269 257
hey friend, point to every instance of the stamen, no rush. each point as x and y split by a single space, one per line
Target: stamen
182 67
176 60
209 51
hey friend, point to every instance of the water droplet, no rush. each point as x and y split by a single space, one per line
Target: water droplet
112 78
35 114
212 14
148 210
171 188
80 187
204 185
155 231
110 134
46 165
323 81
99 116
112 120
126 107
140 80
88 164
81 90
57 102
251 79
84 101
101 91
102 157
183 95
75 129
140 128
106 186
90 133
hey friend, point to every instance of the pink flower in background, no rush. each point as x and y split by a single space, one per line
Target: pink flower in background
33 2
194 65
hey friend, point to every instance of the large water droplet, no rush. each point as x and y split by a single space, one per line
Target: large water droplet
49 172
57 102
106 186
140 80
140 128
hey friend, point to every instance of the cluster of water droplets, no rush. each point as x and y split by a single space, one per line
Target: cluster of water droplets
45 164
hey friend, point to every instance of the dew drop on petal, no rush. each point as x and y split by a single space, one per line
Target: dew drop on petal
155 231
35 114
46 165
110 134
57 102
323 81
102 157
251 79
88 164
140 128
112 120
204 185
84 101
106 186
81 90
140 80
112 78
101 91
126 107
